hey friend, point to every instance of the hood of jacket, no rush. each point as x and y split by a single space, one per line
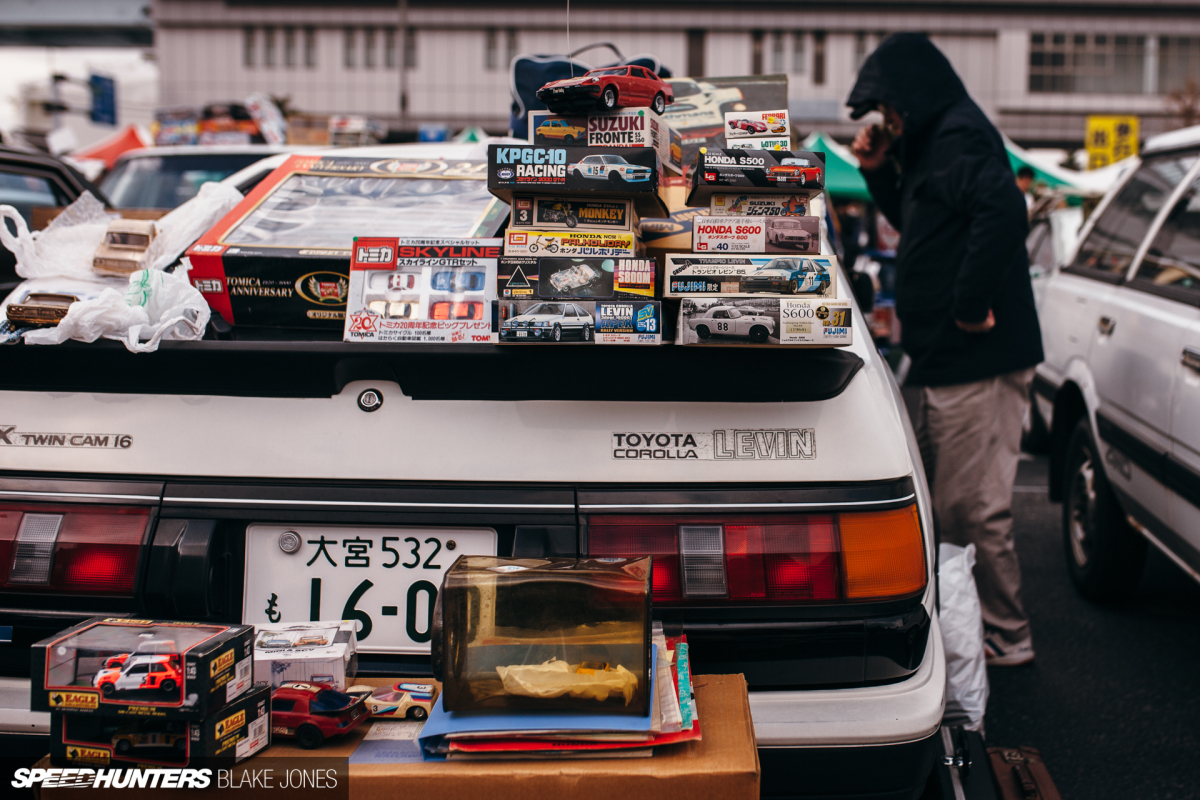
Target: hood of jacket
908 73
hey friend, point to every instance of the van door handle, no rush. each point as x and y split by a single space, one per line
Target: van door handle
1191 358
1105 325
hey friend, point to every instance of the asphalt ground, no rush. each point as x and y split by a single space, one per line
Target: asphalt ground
1112 699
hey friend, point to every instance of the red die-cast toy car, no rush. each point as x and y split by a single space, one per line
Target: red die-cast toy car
800 170
312 712
608 88
751 126
140 672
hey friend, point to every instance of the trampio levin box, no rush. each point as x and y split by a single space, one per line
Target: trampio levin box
738 204
309 652
630 172
593 278
799 235
764 321
692 275
432 291
281 257
635 126
583 321
726 169
570 243
552 213
132 668
233 734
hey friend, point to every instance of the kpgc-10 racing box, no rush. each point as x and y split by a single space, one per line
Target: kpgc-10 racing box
628 172
582 321
591 278
692 275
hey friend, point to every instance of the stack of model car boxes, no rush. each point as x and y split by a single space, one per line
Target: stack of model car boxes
755 274
573 267
126 692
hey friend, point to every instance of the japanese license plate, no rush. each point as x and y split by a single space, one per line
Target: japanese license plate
385 578
520 334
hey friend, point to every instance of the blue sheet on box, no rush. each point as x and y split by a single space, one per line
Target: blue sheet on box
442 722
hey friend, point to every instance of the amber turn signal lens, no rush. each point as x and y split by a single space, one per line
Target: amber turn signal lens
883 553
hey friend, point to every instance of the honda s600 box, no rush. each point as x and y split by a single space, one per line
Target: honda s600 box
142 668
798 235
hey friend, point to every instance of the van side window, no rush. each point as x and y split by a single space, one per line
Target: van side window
1117 234
1171 267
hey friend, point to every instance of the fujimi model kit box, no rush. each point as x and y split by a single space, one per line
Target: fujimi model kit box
142 668
421 290
798 235
758 205
550 278
551 213
765 321
761 143
719 170
570 243
582 321
281 257
233 734
309 652
690 275
630 172
621 127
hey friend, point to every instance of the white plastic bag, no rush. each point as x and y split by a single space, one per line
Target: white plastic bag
176 231
960 619
65 248
157 305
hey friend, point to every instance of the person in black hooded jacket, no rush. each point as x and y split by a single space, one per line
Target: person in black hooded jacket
938 170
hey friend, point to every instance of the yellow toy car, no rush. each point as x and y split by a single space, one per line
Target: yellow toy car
561 130
123 246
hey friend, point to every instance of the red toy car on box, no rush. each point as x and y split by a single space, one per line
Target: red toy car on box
160 672
751 126
608 88
312 712
800 170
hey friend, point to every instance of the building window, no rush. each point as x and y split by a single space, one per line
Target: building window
289 47
389 48
756 52
491 49
799 63
777 52
248 42
1087 63
510 46
1178 63
860 49
268 47
310 47
410 48
369 48
818 75
349 57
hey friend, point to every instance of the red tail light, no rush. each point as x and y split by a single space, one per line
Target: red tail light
782 559
72 549
456 310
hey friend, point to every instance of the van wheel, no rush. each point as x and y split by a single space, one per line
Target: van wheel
556 334
702 331
587 333
609 98
758 334
107 689
168 685
659 103
1104 554
309 737
416 712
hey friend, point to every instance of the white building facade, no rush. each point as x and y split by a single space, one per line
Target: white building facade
1037 69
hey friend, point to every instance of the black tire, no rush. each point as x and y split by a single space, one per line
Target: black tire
552 248
803 179
586 335
572 221
168 685
703 332
616 177
123 747
1104 554
759 334
794 286
576 174
533 248
568 139
609 98
309 737
416 712
659 103
556 334
107 689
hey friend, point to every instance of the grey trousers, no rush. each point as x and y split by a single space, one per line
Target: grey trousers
970 439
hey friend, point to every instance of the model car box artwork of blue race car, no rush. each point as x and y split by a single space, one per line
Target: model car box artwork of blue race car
693 275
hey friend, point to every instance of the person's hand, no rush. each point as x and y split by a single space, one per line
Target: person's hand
870 147
978 327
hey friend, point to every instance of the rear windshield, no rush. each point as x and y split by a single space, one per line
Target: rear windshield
128 239
330 701
168 181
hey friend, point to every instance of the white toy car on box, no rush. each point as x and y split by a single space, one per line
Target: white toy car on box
612 168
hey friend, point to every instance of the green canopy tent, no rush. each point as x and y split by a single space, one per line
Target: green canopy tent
843 181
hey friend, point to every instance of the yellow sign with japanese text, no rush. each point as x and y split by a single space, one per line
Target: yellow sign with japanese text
1110 139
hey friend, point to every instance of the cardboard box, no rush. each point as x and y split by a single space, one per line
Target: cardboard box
764 321
753 124
281 257
522 277
233 734
694 275
421 290
758 205
551 213
571 243
795 235
761 143
768 171
311 652
160 669
621 127
579 321
629 172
